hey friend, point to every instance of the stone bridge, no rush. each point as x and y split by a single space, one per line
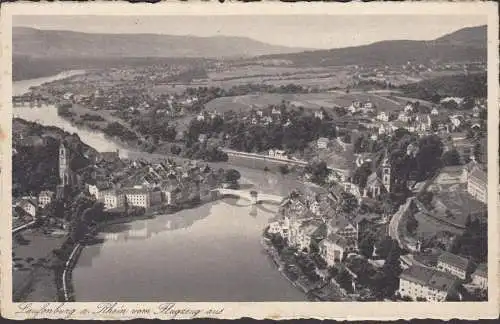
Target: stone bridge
252 195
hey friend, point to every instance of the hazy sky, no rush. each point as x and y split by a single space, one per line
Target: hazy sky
318 31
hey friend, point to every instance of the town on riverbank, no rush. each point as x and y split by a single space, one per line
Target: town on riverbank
384 169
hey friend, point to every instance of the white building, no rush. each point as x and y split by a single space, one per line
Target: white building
113 199
277 154
45 198
425 283
319 114
29 206
333 248
454 264
382 116
323 142
477 184
480 276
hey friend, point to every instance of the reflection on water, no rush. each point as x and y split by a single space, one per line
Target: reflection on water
209 253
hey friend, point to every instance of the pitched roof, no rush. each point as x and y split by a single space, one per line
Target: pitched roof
46 193
429 277
479 174
338 223
373 179
337 240
454 260
481 270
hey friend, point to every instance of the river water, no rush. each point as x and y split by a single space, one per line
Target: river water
211 253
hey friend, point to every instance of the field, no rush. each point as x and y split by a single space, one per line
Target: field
313 101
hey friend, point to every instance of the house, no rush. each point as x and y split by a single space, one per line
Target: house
408 108
454 264
276 111
319 114
202 138
45 197
200 117
254 121
374 186
432 285
267 120
404 117
475 111
29 205
95 189
323 142
368 106
305 234
333 248
456 121
412 149
260 113
382 116
480 276
434 111
424 122
341 226
277 154
137 197
477 184
113 199
170 189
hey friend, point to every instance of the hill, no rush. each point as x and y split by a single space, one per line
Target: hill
467 44
38 43
472 86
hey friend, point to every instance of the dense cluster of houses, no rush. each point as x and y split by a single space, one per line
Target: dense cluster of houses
156 184
313 219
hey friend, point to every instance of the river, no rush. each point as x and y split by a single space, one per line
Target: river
211 253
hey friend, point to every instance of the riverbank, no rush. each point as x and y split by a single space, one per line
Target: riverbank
321 289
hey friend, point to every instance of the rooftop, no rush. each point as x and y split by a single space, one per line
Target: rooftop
482 270
479 174
454 260
429 277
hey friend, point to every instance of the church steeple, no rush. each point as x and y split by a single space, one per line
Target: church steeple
63 165
386 172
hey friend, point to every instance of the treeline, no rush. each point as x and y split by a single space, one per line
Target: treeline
116 129
292 133
35 168
471 85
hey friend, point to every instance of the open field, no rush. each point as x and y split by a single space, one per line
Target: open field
313 101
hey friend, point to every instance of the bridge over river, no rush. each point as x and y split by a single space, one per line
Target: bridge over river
252 195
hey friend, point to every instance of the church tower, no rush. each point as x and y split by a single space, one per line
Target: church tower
386 173
64 171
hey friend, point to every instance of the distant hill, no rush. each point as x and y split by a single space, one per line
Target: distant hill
468 44
38 43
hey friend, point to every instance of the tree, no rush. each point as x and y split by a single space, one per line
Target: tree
451 157
366 246
232 175
361 175
284 169
348 202
318 170
411 224
384 246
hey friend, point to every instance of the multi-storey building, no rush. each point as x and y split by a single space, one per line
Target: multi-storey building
454 264
44 198
477 184
424 283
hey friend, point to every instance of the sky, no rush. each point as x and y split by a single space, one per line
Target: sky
304 31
